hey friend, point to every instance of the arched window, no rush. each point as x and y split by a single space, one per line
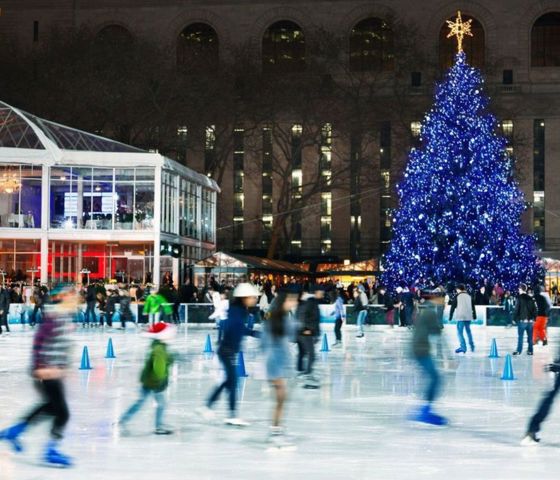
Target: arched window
197 47
473 46
371 46
283 47
545 41
114 36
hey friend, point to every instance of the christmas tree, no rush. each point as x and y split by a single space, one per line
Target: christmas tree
460 208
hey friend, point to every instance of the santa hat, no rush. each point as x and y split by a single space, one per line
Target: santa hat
161 331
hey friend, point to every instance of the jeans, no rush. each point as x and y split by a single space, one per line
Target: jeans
227 357
36 309
362 316
461 326
90 310
306 348
54 405
338 329
544 407
4 321
523 327
136 406
428 367
153 318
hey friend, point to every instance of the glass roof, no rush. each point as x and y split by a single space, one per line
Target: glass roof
16 132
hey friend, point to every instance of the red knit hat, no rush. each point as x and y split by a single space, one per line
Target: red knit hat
161 331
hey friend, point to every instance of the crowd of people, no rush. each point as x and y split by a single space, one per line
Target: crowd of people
290 314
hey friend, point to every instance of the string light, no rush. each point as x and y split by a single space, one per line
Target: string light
460 208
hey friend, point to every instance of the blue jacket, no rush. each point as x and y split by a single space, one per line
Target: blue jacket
339 308
234 329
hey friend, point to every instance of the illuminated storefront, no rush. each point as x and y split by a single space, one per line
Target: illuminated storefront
75 205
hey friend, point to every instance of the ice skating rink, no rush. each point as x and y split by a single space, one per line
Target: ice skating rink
354 427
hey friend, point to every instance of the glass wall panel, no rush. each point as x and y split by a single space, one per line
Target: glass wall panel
20 196
144 206
19 260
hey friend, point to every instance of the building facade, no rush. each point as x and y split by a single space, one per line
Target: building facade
516 43
76 207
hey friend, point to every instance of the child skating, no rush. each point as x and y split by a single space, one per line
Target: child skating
154 377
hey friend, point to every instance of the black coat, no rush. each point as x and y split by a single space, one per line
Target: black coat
310 316
526 309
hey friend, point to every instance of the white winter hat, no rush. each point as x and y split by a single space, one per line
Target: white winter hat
399 289
245 290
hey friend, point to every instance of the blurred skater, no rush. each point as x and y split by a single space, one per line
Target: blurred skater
427 325
360 308
155 376
524 315
309 318
544 408
233 330
340 318
544 304
49 362
278 332
157 308
463 309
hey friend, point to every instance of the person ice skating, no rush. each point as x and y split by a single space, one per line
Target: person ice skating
219 315
386 299
50 357
464 311
544 407
4 309
157 306
233 330
155 376
309 318
544 305
427 325
524 315
278 332
361 309
91 300
508 304
405 304
340 317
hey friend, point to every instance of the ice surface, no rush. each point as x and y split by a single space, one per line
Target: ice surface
354 427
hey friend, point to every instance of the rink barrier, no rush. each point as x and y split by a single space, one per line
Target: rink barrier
198 313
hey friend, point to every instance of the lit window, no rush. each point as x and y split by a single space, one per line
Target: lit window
283 47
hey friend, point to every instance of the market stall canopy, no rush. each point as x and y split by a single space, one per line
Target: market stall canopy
357 268
221 261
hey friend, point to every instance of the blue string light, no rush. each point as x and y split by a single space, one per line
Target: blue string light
460 208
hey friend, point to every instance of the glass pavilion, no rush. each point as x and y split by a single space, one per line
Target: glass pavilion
73 204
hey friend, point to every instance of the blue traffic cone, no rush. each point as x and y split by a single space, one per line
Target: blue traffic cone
85 365
241 372
208 345
325 344
110 351
508 369
494 350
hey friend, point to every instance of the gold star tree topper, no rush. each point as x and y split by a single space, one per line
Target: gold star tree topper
459 29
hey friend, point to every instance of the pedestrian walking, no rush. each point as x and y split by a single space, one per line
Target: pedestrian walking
464 311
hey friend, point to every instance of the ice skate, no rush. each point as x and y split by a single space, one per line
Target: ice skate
55 458
236 422
530 440
278 441
11 435
460 350
163 431
311 383
426 415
